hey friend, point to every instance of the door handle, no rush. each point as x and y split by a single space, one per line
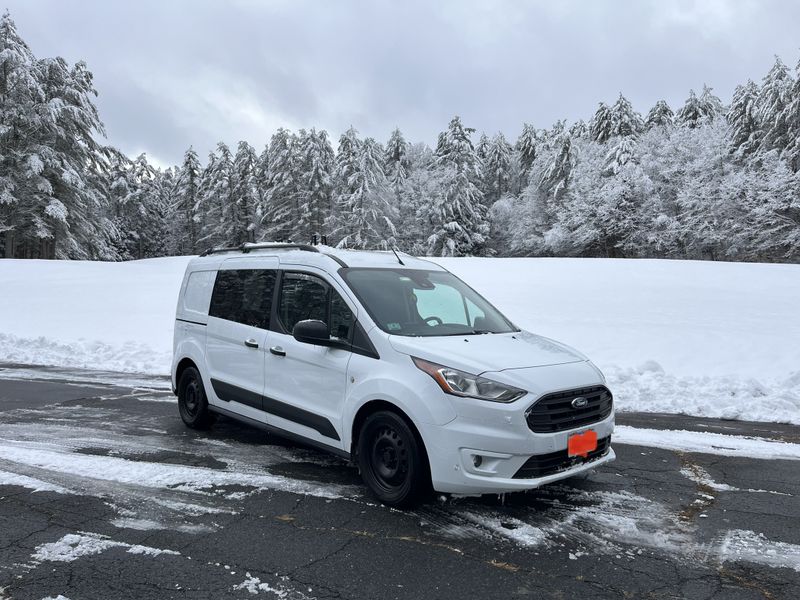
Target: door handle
278 351
251 343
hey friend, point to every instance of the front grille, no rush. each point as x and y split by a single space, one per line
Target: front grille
542 465
554 412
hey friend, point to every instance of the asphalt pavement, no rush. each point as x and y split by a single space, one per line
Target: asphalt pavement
105 494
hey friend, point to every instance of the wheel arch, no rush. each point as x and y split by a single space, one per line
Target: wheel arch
377 405
182 365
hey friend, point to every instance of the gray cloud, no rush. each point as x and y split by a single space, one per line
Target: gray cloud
179 73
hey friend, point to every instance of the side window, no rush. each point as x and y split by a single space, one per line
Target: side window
302 297
243 296
341 323
305 296
198 291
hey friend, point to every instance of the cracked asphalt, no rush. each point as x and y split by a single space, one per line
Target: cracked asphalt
105 494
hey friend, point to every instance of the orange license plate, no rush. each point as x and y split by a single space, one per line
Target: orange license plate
581 444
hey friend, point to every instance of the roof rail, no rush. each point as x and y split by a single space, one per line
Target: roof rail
247 247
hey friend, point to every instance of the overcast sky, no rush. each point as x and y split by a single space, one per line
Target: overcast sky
176 73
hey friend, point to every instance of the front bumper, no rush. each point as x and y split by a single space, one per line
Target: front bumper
503 447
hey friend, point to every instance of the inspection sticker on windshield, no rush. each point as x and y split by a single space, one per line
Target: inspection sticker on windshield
393 326
581 444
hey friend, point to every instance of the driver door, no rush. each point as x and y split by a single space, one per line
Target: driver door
305 384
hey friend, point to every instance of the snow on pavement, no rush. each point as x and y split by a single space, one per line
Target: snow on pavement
73 546
706 443
700 338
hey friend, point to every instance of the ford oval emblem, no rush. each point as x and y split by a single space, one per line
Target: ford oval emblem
579 402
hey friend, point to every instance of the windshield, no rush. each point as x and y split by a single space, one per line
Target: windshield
424 303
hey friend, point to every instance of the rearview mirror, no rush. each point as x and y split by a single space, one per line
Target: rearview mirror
312 331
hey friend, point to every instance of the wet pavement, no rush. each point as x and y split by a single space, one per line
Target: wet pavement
105 494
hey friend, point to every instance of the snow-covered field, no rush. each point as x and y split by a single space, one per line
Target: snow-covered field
701 338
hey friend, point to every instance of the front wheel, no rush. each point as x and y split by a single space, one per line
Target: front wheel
192 401
392 460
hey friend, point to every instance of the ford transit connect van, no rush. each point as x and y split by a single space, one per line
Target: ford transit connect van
388 360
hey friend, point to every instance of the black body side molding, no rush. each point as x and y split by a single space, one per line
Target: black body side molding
233 393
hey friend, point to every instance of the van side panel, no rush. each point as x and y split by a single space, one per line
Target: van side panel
191 317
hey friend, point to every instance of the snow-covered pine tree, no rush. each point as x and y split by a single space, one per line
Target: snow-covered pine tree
346 166
282 212
216 198
417 193
660 115
579 130
699 110
712 105
602 125
364 214
743 120
457 215
555 177
239 214
261 184
396 162
316 184
137 207
773 100
792 120
52 187
182 210
23 186
497 169
691 113
625 121
526 148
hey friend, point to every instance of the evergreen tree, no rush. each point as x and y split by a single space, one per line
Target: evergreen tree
239 214
364 216
743 120
316 183
526 148
660 115
602 125
396 161
482 148
624 120
792 120
699 110
281 212
692 113
457 215
579 130
497 168
261 184
216 200
184 226
773 101
555 178
52 189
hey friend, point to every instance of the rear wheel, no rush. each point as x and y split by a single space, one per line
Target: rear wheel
392 460
192 401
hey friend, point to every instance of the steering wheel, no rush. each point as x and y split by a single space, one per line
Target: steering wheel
434 319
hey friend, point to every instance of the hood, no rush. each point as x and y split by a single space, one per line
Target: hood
477 354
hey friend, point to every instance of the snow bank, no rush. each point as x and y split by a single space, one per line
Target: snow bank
700 338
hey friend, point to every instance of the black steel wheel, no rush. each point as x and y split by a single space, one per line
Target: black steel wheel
392 460
192 401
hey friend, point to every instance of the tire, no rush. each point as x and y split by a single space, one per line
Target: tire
192 401
392 460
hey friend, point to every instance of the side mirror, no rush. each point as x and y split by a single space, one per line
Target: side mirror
312 331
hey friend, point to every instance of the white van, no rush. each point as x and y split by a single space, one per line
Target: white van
390 361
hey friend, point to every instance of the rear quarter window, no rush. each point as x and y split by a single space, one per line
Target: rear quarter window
197 295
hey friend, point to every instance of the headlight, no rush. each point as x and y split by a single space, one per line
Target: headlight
459 383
